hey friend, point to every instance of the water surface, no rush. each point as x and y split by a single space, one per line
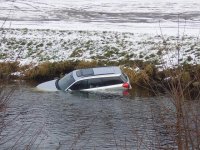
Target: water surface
59 120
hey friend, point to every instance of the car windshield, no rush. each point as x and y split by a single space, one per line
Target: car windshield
66 81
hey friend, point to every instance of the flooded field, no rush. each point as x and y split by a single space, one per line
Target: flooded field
42 120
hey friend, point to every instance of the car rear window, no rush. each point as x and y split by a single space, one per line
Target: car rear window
66 81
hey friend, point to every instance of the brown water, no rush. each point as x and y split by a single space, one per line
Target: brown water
42 120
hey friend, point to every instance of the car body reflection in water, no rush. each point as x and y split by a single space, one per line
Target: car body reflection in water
80 120
100 94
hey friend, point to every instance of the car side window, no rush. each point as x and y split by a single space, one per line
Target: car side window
79 85
94 83
111 81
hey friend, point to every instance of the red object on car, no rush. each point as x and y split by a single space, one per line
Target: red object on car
126 85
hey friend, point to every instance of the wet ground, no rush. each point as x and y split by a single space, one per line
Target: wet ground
42 120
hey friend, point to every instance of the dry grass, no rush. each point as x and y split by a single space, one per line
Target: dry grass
147 73
182 127
187 120
49 70
86 64
6 68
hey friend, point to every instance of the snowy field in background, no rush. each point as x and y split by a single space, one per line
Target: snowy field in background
100 30
37 46
134 16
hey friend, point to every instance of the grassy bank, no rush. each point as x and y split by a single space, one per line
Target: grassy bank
48 70
139 72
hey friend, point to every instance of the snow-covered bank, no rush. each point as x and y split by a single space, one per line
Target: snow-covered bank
36 46
134 16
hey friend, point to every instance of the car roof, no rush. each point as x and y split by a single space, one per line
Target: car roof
91 72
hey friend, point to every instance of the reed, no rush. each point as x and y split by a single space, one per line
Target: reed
6 68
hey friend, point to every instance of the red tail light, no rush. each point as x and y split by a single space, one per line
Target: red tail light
126 85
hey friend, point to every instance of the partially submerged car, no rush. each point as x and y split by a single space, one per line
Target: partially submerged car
90 79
